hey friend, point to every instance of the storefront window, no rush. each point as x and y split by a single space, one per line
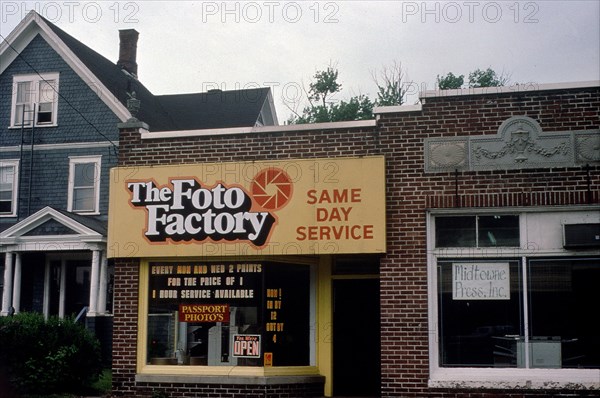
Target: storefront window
562 292
479 305
229 314
477 231
484 313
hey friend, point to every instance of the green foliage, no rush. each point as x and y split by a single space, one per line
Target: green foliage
486 78
389 95
50 356
357 108
321 109
389 89
325 84
450 81
104 383
477 78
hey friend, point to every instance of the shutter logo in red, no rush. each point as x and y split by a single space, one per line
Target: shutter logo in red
271 188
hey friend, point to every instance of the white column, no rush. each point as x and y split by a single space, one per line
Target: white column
103 284
8 280
62 289
16 298
46 305
94 282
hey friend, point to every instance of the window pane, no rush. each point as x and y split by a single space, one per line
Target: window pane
7 176
83 199
5 206
23 92
479 312
455 231
23 115
563 296
44 114
85 174
46 102
195 302
47 93
498 231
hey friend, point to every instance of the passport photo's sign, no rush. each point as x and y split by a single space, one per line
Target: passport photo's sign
316 206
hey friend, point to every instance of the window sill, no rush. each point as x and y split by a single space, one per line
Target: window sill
82 213
37 126
254 376
513 378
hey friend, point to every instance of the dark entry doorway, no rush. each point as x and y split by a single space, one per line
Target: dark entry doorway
356 338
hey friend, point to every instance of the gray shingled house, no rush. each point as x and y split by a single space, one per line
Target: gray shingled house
61 104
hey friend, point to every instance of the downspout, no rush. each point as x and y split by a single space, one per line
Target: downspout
20 163
31 165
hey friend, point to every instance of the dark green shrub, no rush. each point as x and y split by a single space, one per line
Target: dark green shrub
50 356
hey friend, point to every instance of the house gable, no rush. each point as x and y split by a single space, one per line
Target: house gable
50 229
78 101
34 25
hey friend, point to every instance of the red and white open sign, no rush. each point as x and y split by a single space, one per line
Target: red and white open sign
246 345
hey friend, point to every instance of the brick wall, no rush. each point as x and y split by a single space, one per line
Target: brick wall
410 191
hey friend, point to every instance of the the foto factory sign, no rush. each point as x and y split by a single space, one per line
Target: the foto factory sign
249 208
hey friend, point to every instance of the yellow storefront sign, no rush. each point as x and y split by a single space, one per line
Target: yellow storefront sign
313 206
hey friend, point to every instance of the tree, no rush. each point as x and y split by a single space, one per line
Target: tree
389 90
487 78
322 108
325 84
477 78
450 81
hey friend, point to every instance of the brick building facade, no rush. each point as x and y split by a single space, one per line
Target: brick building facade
487 179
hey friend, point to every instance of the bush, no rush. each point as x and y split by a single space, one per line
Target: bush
57 355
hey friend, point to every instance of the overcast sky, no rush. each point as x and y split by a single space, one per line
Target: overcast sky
192 46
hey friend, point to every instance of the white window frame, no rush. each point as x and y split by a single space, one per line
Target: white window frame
36 80
15 186
77 160
497 378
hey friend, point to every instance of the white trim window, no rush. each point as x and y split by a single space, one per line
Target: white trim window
9 177
34 100
510 301
84 184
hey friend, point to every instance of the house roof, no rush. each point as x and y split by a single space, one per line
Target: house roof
213 109
239 108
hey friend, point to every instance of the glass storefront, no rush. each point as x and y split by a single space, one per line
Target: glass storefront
229 313
529 311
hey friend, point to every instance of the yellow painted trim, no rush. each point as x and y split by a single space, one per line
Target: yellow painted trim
249 371
325 323
142 324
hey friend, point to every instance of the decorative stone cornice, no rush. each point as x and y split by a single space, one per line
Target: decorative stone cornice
519 144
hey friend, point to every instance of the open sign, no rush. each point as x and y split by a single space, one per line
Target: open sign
246 345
